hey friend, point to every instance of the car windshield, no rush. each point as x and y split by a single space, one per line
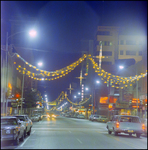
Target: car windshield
103 116
21 118
129 119
8 122
96 116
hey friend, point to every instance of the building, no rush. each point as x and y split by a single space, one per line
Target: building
120 48
16 44
118 45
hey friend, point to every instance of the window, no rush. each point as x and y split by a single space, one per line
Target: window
103 33
121 42
130 52
106 63
140 53
106 43
121 52
106 53
130 42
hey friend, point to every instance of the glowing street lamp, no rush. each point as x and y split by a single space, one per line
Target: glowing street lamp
121 67
32 33
40 64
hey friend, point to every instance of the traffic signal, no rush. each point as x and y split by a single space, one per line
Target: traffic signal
17 97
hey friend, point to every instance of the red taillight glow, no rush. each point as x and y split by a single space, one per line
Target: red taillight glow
117 125
143 126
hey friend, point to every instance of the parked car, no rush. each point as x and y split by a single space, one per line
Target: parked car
94 117
81 116
102 119
75 115
26 121
145 123
67 115
126 124
35 118
12 129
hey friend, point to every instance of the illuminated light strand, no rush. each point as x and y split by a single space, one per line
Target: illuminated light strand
72 65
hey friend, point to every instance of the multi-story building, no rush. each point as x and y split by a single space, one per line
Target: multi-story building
120 47
117 45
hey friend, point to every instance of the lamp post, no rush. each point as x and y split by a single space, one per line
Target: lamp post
32 34
121 67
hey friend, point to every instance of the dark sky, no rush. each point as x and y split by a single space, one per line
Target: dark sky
63 24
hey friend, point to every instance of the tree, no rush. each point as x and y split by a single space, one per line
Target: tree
31 98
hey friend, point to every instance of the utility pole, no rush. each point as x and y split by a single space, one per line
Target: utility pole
6 75
22 90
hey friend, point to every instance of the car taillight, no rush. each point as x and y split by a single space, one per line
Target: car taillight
117 124
143 126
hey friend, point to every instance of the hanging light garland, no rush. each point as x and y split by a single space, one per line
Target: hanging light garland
115 81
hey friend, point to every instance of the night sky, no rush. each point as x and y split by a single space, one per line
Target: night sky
63 24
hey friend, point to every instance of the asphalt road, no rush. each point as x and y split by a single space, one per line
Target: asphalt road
72 133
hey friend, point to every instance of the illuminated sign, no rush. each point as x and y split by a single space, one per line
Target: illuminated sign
104 100
112 99
122 105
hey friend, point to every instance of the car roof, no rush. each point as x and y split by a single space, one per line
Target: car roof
9 117
20 115
126 116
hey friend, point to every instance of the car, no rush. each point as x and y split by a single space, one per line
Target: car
125 124
12 129
24 119
94 117
102 119
145 124
35 118
75 115
67 115
81 116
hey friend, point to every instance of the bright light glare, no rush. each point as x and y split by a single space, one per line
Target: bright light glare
40 64
45 95
79 93
121 67
97 81
32 33
86 89
75 96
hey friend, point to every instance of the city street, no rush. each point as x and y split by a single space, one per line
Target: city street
73 133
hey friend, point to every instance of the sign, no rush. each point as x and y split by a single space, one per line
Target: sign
81 110
122 105
126 96
112 99
104 100
14 104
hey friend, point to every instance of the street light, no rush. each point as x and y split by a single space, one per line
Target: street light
40 64
122 67
32 34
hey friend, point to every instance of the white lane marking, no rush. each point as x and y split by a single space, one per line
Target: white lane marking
69 131
26 139
79 140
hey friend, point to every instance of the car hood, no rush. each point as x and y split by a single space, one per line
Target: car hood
8 127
